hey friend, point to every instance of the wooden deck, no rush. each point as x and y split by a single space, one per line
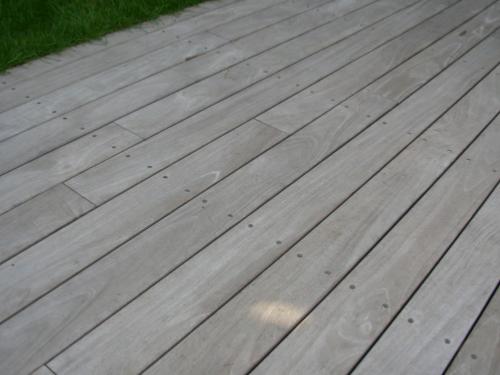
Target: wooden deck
257 186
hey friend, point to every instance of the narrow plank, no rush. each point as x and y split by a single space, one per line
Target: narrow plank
222 268
14 151
57 166
479 353
205 169
240 334
39 66
343 327
118 221
120 53
39 217
445 307
98 85
197 131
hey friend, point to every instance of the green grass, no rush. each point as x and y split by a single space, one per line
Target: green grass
33 28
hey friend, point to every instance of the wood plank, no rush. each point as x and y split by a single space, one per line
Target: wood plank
39 217
14 151
116 224
97 185
479 353
57 166
307 104
342 328
188 294
98 85
118 221
39 66
240 334
174 108
445 307
123 52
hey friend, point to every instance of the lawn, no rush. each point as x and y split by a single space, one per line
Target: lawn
34 28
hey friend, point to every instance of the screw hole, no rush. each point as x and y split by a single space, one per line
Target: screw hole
204 201
299 255
27 96
447 341
410 320
385 305
278 242
250 225
127 156
165 177
328 272
473 356
113 146
187 190
229 215
150 166
352 286
94 135
54 111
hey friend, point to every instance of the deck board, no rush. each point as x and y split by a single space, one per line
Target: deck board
316 185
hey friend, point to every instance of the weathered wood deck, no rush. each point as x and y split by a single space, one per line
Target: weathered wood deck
257 186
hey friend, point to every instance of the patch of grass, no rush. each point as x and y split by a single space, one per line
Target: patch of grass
33 28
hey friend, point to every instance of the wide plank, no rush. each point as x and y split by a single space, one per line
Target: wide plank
36 141
243 331
57 166
429 329
348 320
479 352
39 217
193 291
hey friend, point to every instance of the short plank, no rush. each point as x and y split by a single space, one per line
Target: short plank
239 335
445 307
98 85
53 61
189 293
342 328
123 52
202 128
107 227
14 151
57 166
39 217
111 235
480 352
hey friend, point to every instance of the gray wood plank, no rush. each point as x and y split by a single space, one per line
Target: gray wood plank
120 53
57 166
341 329
193 291
240 334
15 151
445 307
39 66
480 352
98 85
97 185
306 104
118 221
39 217
116 225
